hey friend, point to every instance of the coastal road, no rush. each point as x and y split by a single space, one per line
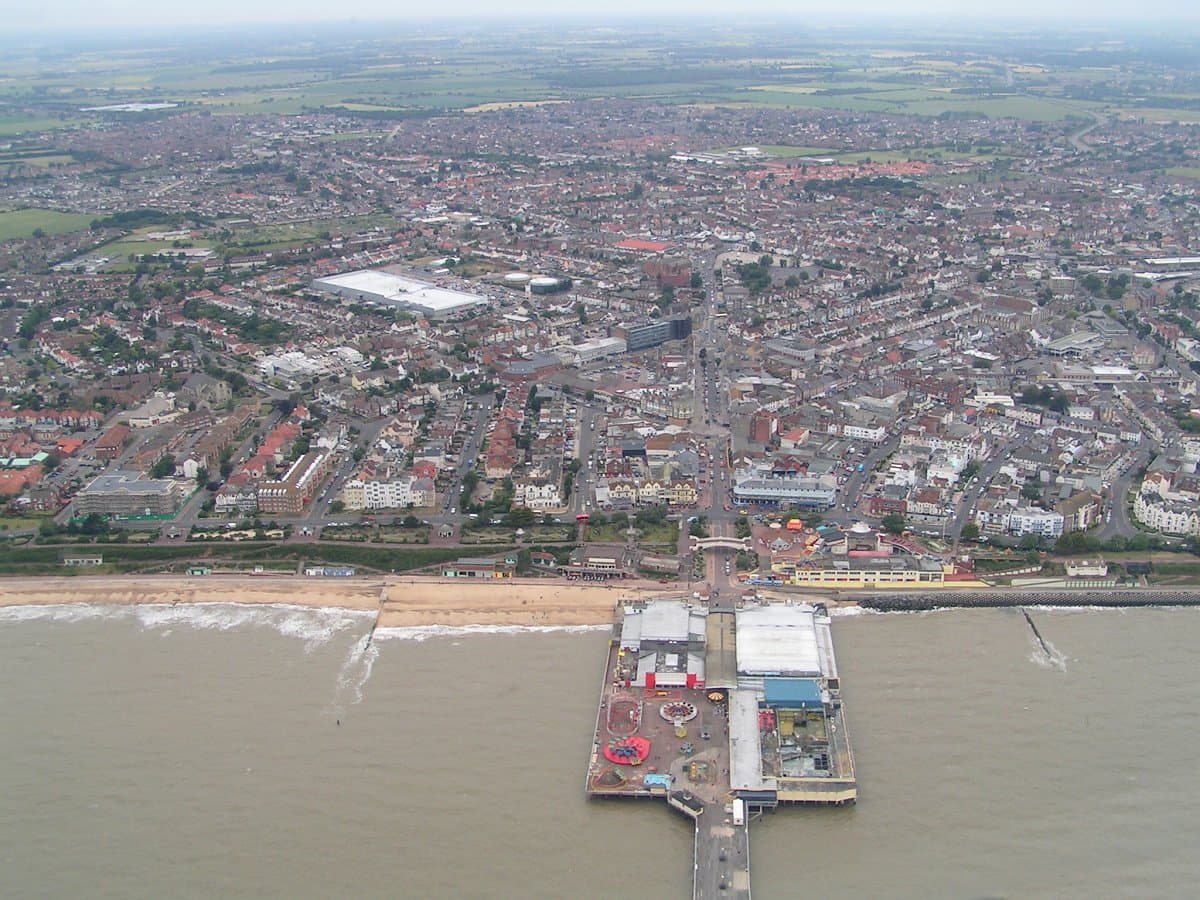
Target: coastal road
979 484
1117 521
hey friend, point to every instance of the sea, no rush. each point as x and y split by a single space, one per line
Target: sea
240 751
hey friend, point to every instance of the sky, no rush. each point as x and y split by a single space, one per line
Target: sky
77 13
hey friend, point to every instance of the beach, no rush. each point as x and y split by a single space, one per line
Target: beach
403 602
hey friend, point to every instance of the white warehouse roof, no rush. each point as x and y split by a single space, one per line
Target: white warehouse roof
777 640
664 621
396 290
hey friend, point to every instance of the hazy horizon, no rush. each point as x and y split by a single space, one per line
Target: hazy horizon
74 14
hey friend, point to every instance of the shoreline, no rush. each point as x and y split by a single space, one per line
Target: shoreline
398 601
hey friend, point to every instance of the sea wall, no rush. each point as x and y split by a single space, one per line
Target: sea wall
912 601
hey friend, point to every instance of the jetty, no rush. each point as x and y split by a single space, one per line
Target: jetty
725 713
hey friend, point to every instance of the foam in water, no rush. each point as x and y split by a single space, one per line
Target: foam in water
314 625
1050 658
355 672
850 612
425 632
66 612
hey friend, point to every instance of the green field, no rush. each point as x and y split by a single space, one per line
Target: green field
21 223
21 523
392 73
14 126
45 559
1185 172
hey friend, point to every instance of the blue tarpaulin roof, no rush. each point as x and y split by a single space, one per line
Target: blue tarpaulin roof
792 693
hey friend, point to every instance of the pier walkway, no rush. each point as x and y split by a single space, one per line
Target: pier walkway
722 854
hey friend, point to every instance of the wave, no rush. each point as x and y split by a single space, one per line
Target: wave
313 625
355 672
1053 660
425 632
63 612
849 612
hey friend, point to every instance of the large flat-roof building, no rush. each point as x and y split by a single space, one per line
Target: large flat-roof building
664 642
653 333
787 739
398 292
125 494
819 492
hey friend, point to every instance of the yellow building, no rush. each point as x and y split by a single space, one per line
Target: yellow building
853 573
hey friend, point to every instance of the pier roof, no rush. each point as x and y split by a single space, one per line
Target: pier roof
777 640
745 748
664 622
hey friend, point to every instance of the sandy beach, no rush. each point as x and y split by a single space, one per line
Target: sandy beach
402 601
519 602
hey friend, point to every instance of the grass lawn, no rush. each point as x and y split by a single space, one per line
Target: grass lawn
404 535
664 533
21 223
134 557
21 523
555 534
497 535
607 534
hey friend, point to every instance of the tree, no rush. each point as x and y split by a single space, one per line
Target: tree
1031 490
164 467
970 532
893 523
1030 542
337 506
202 476
1071 542
519 517
697 281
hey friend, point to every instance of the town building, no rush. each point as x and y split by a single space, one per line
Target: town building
124 494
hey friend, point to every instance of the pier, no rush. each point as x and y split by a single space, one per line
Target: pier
723 713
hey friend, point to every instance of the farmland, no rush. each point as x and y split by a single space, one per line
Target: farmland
389 73
21 223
